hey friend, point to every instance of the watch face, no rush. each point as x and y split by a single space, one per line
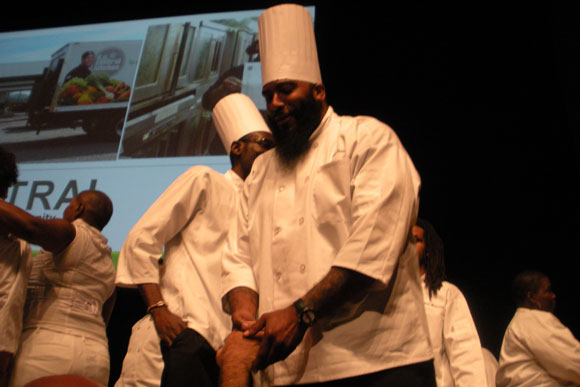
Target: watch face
308 317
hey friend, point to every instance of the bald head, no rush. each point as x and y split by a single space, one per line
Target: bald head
94 207
98 208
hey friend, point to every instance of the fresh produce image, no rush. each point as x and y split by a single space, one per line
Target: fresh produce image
94 89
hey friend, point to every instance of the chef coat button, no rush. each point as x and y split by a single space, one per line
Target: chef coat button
301 220
276 230
302 268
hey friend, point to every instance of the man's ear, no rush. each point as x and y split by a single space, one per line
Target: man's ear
532 299
319 92
79 209
236 148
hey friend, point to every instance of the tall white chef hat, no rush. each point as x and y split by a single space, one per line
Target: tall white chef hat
288 45
234 116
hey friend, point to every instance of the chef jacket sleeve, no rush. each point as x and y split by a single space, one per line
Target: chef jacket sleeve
384 189
167 216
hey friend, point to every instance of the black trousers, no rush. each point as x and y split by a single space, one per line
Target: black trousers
189 361
413 375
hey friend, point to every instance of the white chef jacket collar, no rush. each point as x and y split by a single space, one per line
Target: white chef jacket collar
323 123
235 179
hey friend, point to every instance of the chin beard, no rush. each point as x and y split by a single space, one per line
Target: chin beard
292 143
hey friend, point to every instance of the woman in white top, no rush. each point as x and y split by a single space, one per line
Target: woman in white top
537 349
69 292
456 346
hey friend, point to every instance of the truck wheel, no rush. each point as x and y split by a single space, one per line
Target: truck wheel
109 128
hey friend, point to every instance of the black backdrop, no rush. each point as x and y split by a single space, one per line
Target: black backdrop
485 97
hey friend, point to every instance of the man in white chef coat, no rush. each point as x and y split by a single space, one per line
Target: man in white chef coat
188 224
537 349
322 267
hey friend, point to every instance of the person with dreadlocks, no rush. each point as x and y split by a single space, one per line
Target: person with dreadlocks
456 346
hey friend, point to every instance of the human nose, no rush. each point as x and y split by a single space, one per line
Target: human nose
276 102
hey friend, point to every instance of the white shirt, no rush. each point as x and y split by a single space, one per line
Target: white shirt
537 350
143 363
349 202
458 354
190 220
15 264
66 291
491 365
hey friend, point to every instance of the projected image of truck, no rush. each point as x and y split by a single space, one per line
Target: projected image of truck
64 93
86 83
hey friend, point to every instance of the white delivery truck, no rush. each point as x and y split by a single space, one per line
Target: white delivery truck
86 84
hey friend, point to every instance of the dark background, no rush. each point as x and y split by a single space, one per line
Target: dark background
484 96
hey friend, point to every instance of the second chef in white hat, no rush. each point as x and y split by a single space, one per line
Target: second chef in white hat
188 225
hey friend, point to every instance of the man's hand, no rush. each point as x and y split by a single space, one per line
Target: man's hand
242 320
280 332
167 324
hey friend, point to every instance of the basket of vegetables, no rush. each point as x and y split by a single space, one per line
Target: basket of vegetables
94 89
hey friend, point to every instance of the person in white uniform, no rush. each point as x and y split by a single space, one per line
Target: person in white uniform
14 271
189 223
537 349
70 291
458 352
322 266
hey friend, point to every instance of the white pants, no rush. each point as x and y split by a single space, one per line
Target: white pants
143 364
44 352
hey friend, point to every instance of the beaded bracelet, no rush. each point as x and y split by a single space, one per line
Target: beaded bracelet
158 304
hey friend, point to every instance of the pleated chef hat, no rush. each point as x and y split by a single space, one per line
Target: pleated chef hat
288 45
234 116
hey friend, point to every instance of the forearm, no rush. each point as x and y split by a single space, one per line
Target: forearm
335 288
235 360
235 374
167 324
151 293
53 235
243 303
16 221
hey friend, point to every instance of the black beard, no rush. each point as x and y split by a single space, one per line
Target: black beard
291 144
